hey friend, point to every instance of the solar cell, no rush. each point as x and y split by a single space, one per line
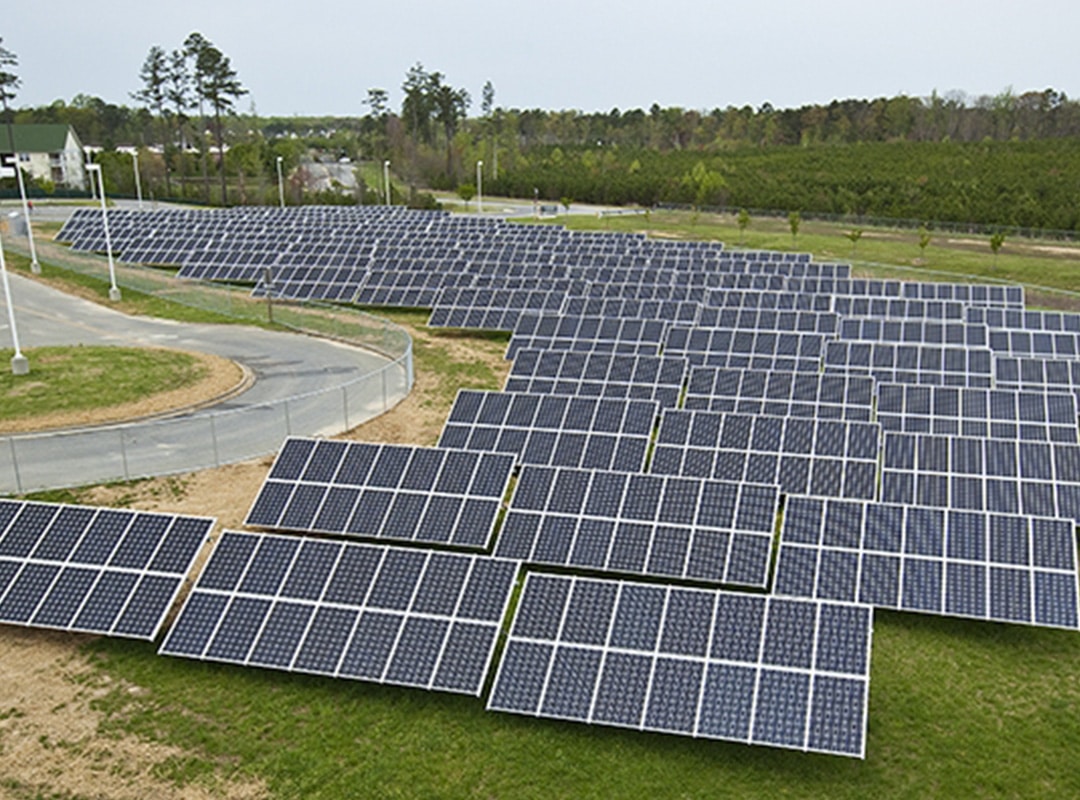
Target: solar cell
410 617
688 661
79 568
385 491
931 560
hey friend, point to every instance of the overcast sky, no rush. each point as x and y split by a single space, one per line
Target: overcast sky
321 56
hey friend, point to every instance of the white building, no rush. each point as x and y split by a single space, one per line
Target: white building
45 152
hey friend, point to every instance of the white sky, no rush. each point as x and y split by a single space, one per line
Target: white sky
321 56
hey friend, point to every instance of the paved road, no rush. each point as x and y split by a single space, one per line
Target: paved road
250 424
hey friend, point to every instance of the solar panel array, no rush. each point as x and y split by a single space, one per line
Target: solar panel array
658 378
559 430
663 400
79 568
700 530
712 664
1004 567
781 394
982 413
421 494
829 458
1002 475
374 613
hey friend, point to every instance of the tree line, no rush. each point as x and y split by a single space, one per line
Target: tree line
1009 159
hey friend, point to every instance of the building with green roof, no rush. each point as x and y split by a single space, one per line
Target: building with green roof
45 152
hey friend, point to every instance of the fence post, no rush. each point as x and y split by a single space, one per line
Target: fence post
123 453
213 439
15 466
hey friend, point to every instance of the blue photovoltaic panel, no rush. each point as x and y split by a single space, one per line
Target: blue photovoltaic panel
803 456
782 351
1002 567
889 362
347 610
79 568
634 377
555 430
1006 476
424 494
673 527
794 394
712 664
587 334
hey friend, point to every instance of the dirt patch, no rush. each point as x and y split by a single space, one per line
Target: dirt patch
49 730
220 378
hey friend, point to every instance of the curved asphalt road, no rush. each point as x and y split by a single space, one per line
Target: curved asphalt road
285 366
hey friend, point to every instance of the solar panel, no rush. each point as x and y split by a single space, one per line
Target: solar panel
587 334
747 349
635 377
784 394
913 331
950 562
711 664
421 494
830 458
983 413
769 319
1036 343
556 430
673 527
346 610
79 568
1005 476
889 362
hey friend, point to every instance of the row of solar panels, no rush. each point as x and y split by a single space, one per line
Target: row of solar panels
430 619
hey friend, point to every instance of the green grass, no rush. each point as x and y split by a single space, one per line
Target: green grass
82 378
881 252
957 709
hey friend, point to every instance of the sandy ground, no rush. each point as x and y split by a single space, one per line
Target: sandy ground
49 741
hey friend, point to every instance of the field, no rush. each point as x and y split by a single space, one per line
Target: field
957 708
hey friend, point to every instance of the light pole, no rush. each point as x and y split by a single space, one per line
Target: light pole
35 267
280 184
114 290
386 179
19 363
138 182
479 187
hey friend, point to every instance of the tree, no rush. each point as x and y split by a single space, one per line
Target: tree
155 77
178 93
924 240
194 45
997 239
417 105
9 82
794 220
220 88
743 221
487 99
566 201
450 107
466 192
853 236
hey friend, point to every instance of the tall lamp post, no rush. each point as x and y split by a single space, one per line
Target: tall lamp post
386 179
19 364
280 184
114 290
479 187
138 182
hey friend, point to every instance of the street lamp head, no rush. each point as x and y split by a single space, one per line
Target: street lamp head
94 167
279 159
386 163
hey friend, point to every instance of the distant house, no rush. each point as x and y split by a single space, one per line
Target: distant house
49 152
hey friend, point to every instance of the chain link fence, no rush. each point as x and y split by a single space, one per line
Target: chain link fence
189 442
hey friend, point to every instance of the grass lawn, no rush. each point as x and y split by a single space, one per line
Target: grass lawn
81 378
957 709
